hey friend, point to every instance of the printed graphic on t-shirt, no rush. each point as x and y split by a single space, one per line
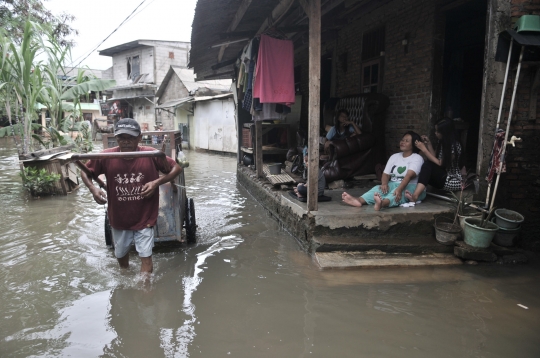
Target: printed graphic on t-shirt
398 173
129 186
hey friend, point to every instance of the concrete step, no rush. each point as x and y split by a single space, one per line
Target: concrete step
375 258
404 244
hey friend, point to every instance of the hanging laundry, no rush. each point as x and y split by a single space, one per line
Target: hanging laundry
267 112
495 160
246 104
274 74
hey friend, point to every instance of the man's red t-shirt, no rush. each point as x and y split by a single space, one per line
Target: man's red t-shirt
125 179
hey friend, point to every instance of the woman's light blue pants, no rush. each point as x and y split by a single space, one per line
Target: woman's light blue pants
392 186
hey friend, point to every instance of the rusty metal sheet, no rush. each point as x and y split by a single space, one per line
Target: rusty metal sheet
169 224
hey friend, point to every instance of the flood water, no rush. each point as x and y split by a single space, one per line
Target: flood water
245 289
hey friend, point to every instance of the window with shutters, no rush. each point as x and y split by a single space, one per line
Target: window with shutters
372 59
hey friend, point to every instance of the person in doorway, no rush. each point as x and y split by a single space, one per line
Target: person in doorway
132 193
400 174
442 167
301 188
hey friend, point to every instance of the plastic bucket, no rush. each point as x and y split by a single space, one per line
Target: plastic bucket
274 168
477 236
508 219
506 237
446 233
472 214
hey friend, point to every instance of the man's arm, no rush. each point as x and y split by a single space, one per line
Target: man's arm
149 188
99 195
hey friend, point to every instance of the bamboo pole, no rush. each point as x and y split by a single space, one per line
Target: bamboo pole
501 105
507 128
258 149
118 155
89 174
314 102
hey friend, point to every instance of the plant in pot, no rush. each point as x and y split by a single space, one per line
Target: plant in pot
479 232
463 208
448 231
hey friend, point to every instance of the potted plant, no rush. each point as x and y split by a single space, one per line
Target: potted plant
479 232
462 202
448 232
463 208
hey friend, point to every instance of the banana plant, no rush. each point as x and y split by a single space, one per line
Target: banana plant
27 83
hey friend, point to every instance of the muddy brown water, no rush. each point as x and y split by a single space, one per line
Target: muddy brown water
245 289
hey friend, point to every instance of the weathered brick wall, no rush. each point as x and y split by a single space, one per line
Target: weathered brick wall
524 7
406 77
519 188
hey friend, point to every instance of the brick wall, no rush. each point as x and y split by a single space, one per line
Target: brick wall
519 188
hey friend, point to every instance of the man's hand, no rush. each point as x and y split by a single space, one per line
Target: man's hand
149 188
99 195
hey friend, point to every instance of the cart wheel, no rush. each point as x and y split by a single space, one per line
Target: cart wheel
108 233
191 223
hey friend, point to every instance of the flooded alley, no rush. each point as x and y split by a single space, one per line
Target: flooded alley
246 289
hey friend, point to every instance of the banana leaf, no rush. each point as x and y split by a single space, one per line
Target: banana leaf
83 88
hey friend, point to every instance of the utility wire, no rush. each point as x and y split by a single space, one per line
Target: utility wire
122 23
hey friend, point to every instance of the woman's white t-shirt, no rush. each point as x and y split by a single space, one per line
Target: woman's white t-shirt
397 167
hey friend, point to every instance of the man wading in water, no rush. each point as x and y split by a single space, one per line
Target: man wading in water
131 190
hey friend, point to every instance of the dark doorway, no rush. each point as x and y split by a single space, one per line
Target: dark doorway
463 65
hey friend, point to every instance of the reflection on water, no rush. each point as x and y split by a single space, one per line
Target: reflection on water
245 289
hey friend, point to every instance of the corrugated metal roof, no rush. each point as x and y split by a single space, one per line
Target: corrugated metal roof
130 97
134 44
175 103
91 106
212 18
208 98
187 77
132 86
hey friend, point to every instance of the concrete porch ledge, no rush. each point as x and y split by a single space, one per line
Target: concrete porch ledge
340 227
354 259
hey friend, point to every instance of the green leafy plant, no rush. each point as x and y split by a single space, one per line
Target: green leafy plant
83 141
38 181
462 201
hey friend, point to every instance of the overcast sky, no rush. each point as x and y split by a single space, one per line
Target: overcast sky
96 19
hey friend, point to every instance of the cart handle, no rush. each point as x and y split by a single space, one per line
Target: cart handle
123 155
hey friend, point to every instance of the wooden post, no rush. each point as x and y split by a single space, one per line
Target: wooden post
314 102
258 149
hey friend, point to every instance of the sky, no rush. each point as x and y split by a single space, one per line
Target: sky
96 19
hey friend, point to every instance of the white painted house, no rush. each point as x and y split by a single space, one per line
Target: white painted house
139 67
204 111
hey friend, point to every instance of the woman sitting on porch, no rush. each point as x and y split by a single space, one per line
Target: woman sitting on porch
342 128
442 168
400 174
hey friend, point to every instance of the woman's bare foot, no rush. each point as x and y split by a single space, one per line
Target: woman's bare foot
351 200
378 201
410 196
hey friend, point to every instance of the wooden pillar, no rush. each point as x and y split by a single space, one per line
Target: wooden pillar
314 102
258 149
43 119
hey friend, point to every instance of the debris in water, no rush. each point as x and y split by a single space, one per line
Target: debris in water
525 307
